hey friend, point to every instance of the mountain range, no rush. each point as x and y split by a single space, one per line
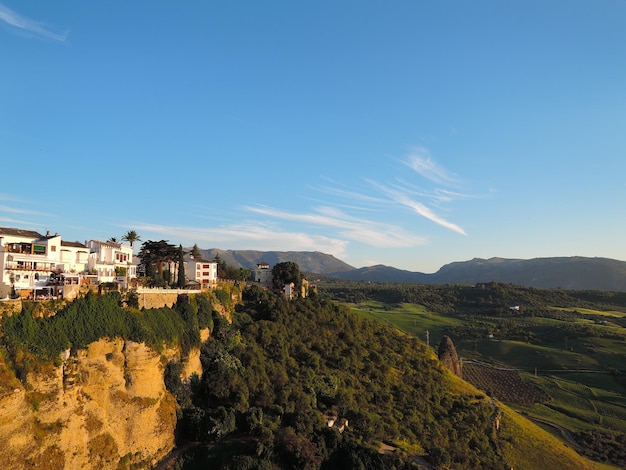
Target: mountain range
574 272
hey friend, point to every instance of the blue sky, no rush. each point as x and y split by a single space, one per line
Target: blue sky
409 133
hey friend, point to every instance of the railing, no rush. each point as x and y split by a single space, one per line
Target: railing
32 266
159 290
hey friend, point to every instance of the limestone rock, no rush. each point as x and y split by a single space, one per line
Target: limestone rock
104 407
448 356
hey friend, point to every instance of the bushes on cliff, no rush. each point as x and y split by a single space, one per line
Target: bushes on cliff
89 318
282 367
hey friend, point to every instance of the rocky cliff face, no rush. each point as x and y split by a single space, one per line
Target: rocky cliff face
105 407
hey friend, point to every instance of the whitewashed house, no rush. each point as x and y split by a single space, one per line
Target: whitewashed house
36 265
200 271
24 260
111 262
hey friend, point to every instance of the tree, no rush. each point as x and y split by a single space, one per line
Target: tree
131 237
285 273
195 252
112 240
153 256
222 267
182 280
239 274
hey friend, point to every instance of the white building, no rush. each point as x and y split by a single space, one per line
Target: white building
36 265
24 260
111 262
201 271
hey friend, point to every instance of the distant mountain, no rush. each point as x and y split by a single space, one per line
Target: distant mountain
382 273
566 272
309 261
574 272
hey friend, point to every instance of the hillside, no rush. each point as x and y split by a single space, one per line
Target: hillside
555 355
309 261
566 273
288 384
306 384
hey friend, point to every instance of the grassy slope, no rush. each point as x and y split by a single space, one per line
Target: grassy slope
525 444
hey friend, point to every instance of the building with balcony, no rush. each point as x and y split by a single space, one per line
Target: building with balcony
37 266
28 260
110 262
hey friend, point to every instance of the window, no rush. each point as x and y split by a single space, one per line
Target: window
53 248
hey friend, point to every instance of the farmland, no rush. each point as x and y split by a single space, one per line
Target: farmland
559 359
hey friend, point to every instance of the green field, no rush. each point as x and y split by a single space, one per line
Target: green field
589 311
579 371
410 318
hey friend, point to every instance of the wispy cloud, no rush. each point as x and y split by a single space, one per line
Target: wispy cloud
421 161
378 234
247 235
349 215
424 211
10 197
403 198
437 196
27 25
14 210
14 222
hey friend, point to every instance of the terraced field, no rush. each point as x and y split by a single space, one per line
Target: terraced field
506 385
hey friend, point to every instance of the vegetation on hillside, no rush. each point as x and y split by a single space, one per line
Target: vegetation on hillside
275 376
282 371
30 341
555 355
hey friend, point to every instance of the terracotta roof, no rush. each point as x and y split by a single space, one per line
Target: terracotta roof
73 244
108 243
18 232
198 260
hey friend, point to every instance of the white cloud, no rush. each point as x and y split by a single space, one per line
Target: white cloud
13 210
402 197
252 235
421 161
30 26
378 234
424 211
15 222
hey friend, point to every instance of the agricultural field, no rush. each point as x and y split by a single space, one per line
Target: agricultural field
410 318
562 365
506 385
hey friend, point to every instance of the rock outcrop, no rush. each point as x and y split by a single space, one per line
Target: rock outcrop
448 356
105 407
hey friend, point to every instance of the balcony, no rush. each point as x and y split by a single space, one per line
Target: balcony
29 266
26 249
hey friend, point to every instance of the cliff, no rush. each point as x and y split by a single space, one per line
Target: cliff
105 407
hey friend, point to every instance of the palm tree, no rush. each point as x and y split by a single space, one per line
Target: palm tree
131 237
112 240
